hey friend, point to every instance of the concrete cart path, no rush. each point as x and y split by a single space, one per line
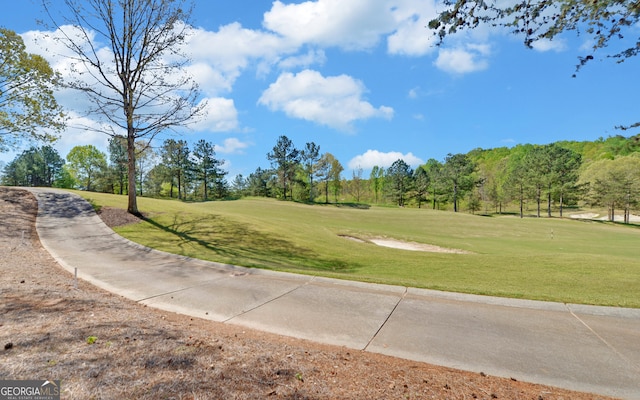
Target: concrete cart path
585 348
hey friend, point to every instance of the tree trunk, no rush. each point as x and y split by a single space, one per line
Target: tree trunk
561 201
205 184
612 213
132 206
455 197
326 192
521 201
284 187
627 209
141 181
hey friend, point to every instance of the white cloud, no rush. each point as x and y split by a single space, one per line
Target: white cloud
471 58
220 57
220 116
544 45
372 158
232 146
304 60
335 101
482 49
356 24
353 24
411 37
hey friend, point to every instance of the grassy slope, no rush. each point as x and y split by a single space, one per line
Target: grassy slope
546 259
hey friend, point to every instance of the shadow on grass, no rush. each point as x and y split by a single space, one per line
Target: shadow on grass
239 244
631 225
359 206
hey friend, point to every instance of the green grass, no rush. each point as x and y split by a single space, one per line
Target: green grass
545 259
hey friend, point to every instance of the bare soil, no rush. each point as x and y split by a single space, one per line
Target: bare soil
103 346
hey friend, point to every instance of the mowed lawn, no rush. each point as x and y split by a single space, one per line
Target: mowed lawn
544 259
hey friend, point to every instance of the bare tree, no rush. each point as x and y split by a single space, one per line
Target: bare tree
136 83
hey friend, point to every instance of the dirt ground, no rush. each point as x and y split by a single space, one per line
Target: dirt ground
103 346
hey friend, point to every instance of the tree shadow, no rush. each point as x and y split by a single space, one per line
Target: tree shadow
358 206
242 245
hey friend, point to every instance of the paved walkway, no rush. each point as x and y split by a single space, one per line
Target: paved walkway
585 348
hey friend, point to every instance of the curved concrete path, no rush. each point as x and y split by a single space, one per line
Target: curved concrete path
585 348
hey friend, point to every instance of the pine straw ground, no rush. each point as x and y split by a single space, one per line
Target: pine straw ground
46 327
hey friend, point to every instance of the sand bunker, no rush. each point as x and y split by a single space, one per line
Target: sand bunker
598 217
411 246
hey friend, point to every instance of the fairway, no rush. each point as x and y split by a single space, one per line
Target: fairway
543 259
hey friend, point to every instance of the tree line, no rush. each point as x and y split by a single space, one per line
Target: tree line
173 170
525 179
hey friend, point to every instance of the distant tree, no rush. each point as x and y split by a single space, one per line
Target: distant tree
618 145
207 168
456 171
37 166
28 108
377 180
398 177
537 163
356 183
324 169
156 179
86 163
496 185
421 184
433 169
517 183
145 160
31 167
258 182
52 164
118 161
336 177
565 172
490 170
329 172
309 157
615 184
475 203
284 158
138 83
239 186
11 174
64 179
175 156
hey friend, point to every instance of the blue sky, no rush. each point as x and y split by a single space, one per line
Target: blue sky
364 80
